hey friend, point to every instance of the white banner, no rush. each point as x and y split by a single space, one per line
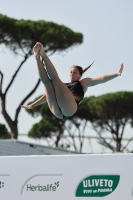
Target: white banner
65 177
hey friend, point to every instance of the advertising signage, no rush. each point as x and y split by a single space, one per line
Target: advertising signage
67 177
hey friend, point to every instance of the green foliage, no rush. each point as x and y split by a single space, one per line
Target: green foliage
42 129
112 106
23 34
112 112
4 134
83 111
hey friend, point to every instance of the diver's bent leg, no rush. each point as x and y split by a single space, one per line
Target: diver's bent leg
49 65
51 100
65 98
49 90
42 72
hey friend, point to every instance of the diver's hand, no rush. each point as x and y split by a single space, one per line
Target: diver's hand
120 70
27 107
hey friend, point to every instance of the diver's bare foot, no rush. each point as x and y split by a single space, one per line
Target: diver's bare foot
36 50
42 52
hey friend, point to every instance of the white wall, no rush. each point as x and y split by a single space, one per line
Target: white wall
67 177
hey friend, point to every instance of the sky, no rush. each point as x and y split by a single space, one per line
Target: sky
107 28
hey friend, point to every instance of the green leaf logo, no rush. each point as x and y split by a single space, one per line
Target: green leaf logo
57 184
97 186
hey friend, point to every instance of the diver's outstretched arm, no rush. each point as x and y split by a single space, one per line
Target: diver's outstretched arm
88 82
38 102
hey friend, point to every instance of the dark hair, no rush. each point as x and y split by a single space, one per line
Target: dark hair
80 69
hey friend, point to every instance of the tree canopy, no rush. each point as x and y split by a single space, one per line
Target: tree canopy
111 113
23 34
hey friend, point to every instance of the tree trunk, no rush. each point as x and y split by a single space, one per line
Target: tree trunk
58 138
13 124
14 130
118 145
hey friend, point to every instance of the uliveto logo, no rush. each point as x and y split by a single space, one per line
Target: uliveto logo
43 188
1 184
97 185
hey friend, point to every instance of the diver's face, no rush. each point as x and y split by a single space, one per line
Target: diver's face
74 74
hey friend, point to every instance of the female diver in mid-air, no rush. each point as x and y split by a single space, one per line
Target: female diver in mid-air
63 98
